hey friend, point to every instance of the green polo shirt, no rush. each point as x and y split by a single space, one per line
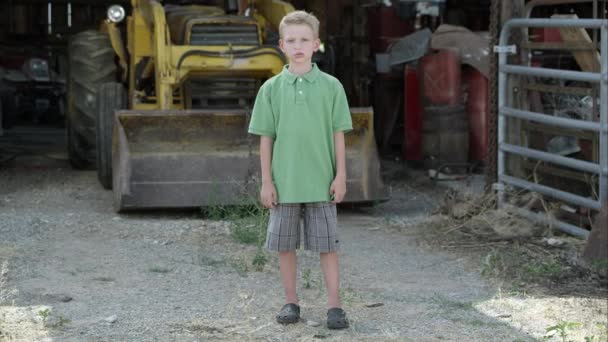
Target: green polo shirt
301 114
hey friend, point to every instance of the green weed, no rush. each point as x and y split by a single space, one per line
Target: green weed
306 277
561 329
240 266
544 270
248 219
450 304
349 296
259 260
600 266
61 321
493 264
210 261
44 314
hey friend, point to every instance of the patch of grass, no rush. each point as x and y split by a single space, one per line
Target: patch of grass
306 278
600 266
57 323
44 314
349 296
259 260
248 220
543 270
492 264
240 266
450 304
157 269
210 261
248 224
603 333
561 329
250 230
474 322
60 323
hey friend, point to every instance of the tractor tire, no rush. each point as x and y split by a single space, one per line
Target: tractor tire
76 149
111 97
91 63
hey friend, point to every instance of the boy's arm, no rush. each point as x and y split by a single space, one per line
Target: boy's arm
338 186
268 194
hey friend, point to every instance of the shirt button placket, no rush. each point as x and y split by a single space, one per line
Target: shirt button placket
300 92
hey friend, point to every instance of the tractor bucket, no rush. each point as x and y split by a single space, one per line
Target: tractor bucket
192 158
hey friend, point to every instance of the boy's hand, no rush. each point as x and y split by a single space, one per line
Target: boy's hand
268 195
338 189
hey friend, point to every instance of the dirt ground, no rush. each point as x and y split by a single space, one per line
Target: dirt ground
73 270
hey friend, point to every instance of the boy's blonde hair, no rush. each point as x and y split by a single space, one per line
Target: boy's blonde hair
300 18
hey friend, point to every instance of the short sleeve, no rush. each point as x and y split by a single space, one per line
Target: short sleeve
262 117
341 112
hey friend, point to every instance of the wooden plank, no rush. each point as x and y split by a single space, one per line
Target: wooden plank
559 89
588 60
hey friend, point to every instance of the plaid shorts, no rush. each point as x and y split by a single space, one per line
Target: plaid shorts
320 227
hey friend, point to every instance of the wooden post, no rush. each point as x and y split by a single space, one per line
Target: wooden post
514 9
596 249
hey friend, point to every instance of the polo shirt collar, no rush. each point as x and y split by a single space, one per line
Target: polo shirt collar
310 76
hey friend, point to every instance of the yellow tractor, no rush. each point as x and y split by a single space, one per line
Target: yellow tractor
168 127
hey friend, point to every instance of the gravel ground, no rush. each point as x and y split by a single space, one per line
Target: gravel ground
73 270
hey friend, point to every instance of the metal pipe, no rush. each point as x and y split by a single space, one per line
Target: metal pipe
545 190
551 22
502 129
603 191
550 120
552 73
546 219
552 158
530 5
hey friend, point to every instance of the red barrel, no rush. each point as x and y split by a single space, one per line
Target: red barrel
412 144
440 73
477 109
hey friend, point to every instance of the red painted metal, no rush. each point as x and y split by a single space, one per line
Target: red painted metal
546 34
385 26
412 144
441 76
477 105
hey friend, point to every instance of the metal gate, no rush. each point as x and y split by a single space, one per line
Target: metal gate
506 110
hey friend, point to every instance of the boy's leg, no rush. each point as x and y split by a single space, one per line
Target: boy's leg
331 273
288 269
284 237
321 235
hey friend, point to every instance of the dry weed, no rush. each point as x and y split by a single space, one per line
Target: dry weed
511 248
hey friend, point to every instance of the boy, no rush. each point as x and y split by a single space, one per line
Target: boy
301 115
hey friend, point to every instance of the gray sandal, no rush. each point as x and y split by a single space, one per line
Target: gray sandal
336 319
290 313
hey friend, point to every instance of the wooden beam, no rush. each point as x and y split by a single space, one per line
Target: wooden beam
588 60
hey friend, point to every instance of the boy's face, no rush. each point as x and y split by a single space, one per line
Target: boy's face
298 43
